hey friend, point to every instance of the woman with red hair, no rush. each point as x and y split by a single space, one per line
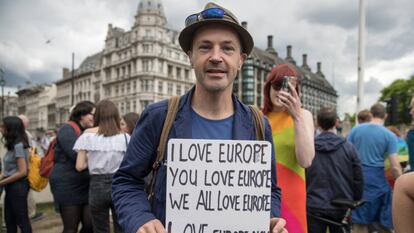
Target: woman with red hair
293 130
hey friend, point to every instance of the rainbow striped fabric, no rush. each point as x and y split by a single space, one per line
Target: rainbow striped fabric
290 175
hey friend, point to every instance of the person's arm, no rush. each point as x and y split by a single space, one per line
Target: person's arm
304 139
81 161
128 195
392 151
21 166
66 139
403 203
358 179
20 173
396 169
304 129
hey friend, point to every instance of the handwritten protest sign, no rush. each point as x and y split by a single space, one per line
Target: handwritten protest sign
218 186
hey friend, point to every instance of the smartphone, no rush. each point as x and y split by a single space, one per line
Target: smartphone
285 84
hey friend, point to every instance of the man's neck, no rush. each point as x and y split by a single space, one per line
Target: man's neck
377 121
212 105
331 130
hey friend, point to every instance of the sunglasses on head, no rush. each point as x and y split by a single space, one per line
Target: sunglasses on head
211 13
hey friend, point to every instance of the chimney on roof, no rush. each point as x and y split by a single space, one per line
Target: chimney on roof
289 57
319 69
270 48
289 51
305 62
244 24
269 41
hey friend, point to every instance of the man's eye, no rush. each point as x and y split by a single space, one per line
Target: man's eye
228 48
204 47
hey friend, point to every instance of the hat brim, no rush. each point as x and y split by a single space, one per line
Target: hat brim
186 36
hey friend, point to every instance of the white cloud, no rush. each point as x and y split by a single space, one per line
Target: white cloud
325 30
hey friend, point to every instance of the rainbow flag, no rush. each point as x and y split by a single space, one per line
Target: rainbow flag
290 175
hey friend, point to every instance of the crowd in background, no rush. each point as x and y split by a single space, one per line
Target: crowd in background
315 164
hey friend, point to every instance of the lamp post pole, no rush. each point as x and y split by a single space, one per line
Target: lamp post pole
73 80
361 56
2 83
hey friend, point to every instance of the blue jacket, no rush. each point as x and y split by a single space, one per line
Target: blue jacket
129 197
335 172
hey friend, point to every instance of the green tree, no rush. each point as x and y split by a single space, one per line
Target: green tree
402 90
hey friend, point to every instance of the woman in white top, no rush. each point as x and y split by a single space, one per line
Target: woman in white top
101 150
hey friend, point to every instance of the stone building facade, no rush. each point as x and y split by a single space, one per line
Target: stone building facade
35 102
136 67
316 91
145 64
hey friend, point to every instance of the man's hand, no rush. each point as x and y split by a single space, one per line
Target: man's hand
153 226
277 225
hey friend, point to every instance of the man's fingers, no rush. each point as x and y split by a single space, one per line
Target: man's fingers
278 225
153 226
159 227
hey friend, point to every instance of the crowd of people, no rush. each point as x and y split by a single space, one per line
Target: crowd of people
102 160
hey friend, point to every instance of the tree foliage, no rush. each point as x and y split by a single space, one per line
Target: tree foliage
402 90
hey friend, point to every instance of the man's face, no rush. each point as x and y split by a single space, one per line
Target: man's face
216 57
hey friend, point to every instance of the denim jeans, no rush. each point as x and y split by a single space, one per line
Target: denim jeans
100 201
15 207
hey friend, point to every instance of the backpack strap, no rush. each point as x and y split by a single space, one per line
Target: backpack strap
173 104
258 122
75 127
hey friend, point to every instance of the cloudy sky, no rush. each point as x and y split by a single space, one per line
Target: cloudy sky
38 37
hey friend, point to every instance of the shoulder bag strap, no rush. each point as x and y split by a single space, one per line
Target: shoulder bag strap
173 103
258 122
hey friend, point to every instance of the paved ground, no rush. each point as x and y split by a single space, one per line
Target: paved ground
50 223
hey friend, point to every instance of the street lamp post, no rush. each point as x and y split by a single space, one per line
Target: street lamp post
2 83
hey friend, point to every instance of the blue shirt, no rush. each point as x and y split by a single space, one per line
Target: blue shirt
10 159
203 128
374 143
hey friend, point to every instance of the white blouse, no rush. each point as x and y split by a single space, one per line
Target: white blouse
104 154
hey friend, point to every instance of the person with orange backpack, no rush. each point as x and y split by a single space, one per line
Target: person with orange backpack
69 187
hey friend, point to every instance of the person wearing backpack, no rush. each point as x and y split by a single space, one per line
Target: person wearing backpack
101 150
69 187
14 176
217 45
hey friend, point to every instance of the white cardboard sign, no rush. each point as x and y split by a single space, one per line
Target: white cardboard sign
218 186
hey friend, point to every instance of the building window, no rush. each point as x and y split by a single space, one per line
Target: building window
187 74
134 85
179 73
128 105
160 86
134 105
178 90
116 90
170 88
170 71
161 66
145 65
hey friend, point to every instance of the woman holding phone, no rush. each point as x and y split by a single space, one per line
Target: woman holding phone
293 136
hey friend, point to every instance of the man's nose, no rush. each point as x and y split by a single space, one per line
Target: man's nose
216 55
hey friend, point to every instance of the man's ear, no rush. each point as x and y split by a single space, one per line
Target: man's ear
190 56
243 57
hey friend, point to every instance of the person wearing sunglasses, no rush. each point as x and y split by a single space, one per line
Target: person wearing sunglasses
217 45
293 135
